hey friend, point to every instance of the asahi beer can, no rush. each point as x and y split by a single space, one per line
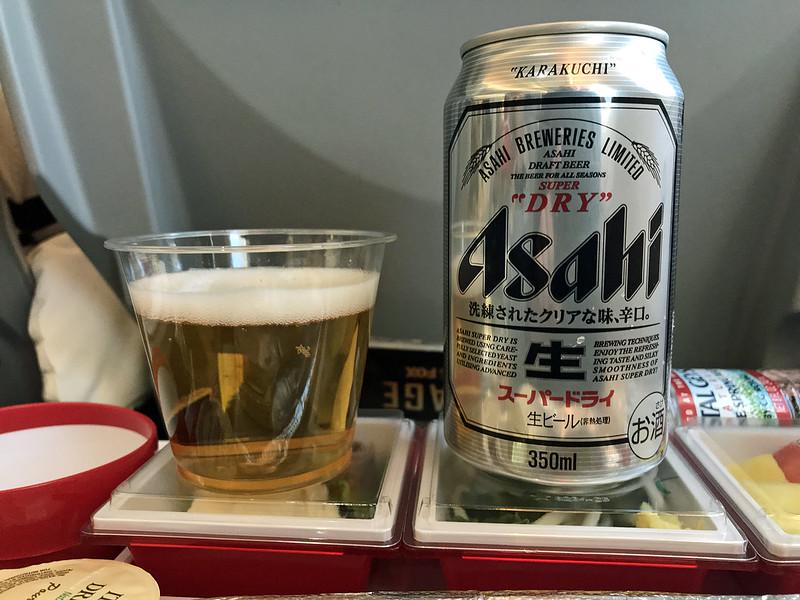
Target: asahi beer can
562 161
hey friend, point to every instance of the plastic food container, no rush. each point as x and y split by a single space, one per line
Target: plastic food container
320 538
662 532
58 463
739 462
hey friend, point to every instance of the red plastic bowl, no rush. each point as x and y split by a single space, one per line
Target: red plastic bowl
48 517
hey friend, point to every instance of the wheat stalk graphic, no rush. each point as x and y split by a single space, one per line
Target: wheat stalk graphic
649 159
474 162
646 155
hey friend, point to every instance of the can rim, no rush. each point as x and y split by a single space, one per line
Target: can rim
562 27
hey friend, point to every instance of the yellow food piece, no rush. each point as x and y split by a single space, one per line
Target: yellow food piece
770 489
763 468
789 523
786 496
647 518
738 473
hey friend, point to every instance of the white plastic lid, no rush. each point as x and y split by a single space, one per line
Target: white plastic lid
359 507
461 506
740 462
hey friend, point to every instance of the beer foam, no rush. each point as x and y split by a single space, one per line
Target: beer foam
254 295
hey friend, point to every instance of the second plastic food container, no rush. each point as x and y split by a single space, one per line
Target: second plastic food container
757 472
661 532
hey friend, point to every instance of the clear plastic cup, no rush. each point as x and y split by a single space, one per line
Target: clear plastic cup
256 341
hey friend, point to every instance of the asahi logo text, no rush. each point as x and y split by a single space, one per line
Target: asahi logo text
556 69
604 259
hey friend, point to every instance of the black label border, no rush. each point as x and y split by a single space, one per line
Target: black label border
578 100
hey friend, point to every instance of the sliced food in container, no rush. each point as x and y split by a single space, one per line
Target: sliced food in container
757 469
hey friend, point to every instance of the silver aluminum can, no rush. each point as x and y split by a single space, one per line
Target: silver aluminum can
562 162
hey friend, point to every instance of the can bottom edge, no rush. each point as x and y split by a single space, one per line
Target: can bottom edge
602 466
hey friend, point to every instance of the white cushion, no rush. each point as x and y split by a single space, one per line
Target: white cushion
88 345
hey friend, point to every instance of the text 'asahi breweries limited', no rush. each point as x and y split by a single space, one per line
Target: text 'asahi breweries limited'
561 188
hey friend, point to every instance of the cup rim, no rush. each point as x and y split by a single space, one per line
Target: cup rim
154 243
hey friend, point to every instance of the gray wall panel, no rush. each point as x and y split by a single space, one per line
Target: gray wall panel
329 114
